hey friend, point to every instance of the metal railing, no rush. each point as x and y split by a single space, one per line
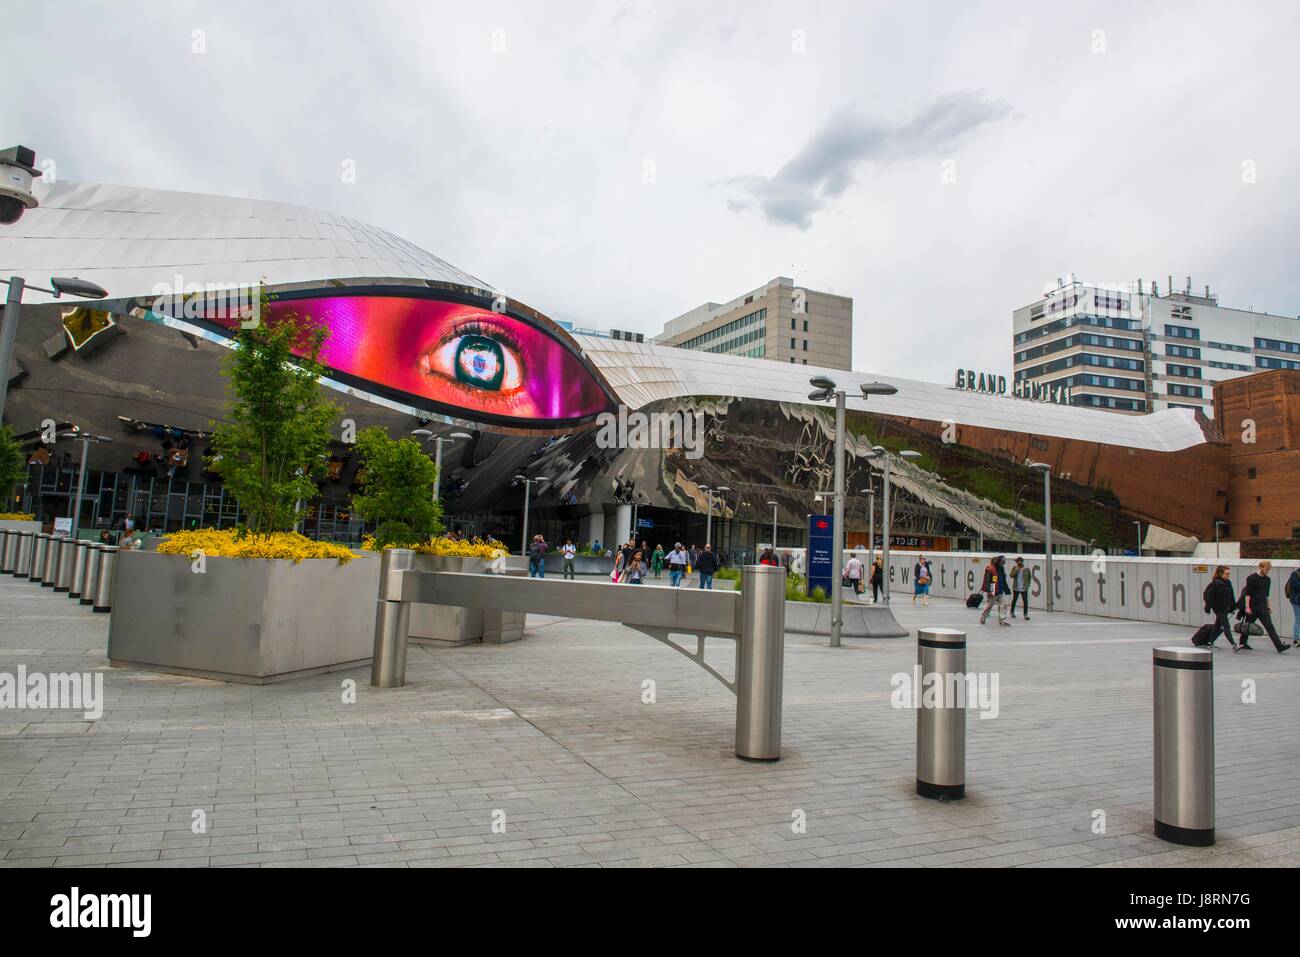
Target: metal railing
754 619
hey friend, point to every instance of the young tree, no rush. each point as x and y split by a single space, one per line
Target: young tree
397 489
12 465
276 436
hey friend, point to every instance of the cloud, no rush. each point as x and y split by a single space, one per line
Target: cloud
824 168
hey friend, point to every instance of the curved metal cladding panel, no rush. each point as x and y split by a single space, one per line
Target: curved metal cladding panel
129 240
641 373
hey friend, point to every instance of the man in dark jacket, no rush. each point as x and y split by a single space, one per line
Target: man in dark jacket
1255 605
1220 601
706 563
996 588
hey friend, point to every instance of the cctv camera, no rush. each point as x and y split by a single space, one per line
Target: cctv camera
16 175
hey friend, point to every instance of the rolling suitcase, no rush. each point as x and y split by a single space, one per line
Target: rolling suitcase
974 600
1202 635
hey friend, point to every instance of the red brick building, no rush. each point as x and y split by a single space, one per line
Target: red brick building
1259 416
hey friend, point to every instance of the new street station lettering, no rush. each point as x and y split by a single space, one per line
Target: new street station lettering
968 380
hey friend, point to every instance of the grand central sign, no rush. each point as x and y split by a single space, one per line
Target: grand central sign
968 380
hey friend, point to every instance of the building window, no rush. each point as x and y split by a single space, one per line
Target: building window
1254 531
1250 473
805 345
1277 345
791 343
805 325
1268 362
1182 332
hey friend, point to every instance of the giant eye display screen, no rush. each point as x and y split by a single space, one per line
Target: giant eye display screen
460 358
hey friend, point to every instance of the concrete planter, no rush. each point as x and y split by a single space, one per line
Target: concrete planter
860 621
446 625
253 621
15 525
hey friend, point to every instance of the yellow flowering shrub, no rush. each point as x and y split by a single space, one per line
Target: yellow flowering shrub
226 543
450 547
17 517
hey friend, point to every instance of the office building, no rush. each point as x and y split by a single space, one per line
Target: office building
778 321
1134 348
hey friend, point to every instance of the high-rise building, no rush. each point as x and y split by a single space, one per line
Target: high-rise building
1130 348
778 321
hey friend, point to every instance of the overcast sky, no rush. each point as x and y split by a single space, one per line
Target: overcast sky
615 164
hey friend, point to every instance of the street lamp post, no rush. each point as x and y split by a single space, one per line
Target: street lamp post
13 306
708 495
85 438
528 489
438 441
1047 525
1139 529
886 462
871 523
773 504
826 390
1217 525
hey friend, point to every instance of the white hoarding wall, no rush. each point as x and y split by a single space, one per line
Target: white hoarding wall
1145 589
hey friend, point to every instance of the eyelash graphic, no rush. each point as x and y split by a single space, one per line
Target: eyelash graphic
481 361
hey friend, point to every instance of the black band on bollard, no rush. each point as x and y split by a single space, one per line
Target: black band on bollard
947 645
952 792
1191 837
1185 665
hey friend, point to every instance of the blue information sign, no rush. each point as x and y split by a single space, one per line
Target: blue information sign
821 542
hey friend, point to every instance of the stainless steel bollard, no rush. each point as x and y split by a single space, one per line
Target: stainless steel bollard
392 620
8 548
23 560
51 570
78 569
941 730
90 578
40 542
1183 704
760 663
107 562
67 562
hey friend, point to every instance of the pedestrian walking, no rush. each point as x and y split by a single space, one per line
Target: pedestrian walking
995 589
853 573
677 561
1220 601
921 581
569 553
706 563
1292 591
657 560
877 580
634 573
1255 605
537 558
1021 578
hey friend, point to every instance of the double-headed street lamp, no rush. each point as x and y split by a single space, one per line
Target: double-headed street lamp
438 441
1047 524
85 438
827 390
13 305
886 467
708 523
528 490
871 521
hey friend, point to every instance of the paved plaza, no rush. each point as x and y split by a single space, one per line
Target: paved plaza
542 753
